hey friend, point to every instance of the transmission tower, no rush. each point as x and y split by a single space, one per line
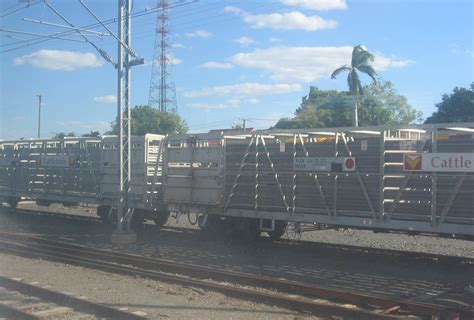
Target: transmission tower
162 89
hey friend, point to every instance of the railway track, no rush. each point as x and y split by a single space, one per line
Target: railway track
302 244
295 295
29 301
92 219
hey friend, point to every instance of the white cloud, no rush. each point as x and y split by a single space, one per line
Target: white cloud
322 5
294 20
60 60
252 101
198 34
306 64
275 40
176 61
216 65
245 41
244 90
382 63
106 99
178 45
232 9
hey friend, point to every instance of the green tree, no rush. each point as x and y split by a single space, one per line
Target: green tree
455 107
360 62
62 135
381 104
92 134
146 119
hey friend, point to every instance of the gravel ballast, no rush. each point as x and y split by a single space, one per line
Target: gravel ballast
158 300
316 261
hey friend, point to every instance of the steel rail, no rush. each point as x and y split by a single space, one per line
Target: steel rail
289 301
58 214
290 287
353 249
13 313
84 306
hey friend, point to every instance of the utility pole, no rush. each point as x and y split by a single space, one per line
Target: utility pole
39 114
244 122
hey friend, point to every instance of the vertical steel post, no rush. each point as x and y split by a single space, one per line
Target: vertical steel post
123 111
128 112
381 213
39 115
434 178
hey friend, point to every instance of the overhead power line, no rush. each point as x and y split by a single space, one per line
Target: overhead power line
42 39
19 9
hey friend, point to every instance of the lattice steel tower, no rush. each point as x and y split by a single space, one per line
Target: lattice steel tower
162 89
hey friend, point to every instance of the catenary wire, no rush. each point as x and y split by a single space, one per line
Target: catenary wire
109 21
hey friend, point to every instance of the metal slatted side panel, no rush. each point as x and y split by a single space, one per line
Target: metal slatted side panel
409 196
145 152
379 189
308 198
459 186
406 195
192 172
59 169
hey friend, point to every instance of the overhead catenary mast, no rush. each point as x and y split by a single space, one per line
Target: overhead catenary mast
39 95
162 93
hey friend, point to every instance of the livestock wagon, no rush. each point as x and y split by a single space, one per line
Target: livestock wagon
414 179
81 170
411 179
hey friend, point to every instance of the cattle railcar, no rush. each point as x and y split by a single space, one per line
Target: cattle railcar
413 179
83 170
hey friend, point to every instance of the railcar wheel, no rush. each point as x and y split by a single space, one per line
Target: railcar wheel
192 221
279 231
161 217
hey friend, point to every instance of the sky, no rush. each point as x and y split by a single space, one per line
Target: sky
232 59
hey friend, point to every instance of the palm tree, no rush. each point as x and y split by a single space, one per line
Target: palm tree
360 62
